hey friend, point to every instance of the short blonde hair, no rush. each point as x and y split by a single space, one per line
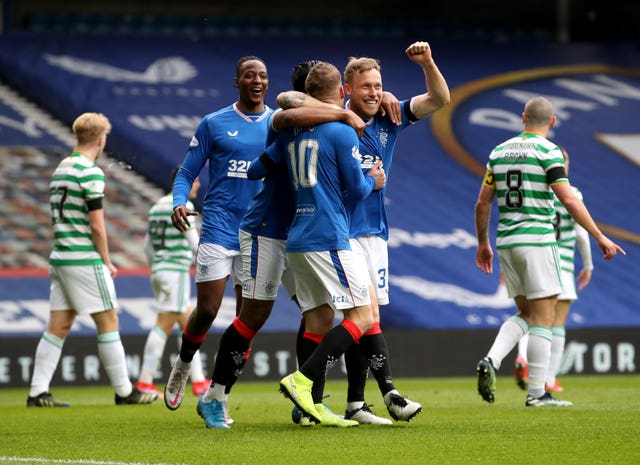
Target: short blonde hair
323 80
359 65
88 127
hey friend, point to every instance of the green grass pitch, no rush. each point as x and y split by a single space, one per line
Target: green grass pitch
455 427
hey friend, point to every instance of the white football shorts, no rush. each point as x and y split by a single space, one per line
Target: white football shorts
531 271
171 291
568 286
215 262
336 277
264 267
376 253
85 289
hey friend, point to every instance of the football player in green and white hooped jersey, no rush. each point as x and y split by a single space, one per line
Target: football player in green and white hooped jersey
569 235
80 269
524 173
170 255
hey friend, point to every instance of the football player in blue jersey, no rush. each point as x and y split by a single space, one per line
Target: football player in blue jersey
324 170
228 139
170 256
263 234
369 227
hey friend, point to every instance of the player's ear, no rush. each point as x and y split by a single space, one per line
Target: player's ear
341 91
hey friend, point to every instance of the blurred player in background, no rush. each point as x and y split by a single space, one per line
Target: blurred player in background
569 235
170 255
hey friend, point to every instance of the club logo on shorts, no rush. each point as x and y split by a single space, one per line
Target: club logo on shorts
364 291
270 287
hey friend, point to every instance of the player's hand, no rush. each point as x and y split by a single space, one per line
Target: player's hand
355 122
112 270
419 52
180 218
610 248
484 259
390 107
583 279
378 174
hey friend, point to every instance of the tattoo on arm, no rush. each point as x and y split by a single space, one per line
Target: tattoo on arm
291 99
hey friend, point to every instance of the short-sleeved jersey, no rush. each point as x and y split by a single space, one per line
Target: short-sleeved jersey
74 182
229 140
377 143
523 169
323 165
271 211
565 227
171 249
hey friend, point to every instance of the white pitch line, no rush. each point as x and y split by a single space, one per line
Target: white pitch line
42 460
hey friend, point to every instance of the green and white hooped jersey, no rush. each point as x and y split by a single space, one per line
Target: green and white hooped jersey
75 181
520 168
565 227
171 250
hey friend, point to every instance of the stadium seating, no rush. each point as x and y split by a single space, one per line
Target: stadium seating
229 26
25 232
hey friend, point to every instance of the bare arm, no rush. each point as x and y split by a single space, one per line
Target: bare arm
312 115
579 212
99 237
295 99
148 248
390 107
484 252
437 95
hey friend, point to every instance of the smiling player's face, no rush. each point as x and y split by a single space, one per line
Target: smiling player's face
252 84
365 93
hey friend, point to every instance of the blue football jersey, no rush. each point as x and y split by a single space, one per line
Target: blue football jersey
369 216
323 166
271 211
229 140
